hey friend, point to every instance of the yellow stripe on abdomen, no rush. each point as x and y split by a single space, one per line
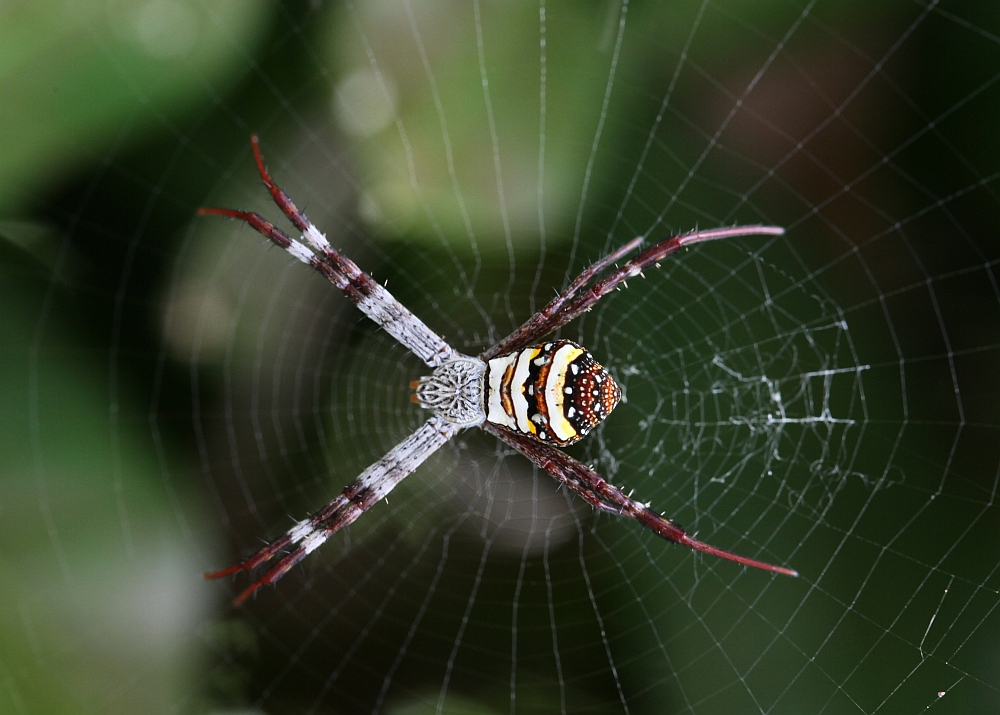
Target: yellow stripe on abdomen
555 396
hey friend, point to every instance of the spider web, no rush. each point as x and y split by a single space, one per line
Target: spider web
178 391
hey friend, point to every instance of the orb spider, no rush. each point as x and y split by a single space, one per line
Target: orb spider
535 396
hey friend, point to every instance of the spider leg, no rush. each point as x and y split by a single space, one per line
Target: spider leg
314 537
602 495
571 303
543 460
372 485
370 297
534 327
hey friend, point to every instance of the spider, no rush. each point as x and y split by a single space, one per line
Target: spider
534 395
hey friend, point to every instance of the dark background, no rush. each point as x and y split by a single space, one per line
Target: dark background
174 391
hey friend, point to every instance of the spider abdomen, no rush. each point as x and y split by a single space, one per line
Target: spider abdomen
555 392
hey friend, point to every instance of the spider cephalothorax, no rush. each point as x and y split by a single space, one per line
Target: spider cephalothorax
455 391
533 396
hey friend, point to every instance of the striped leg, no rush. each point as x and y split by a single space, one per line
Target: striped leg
571 303
314 250
359 496
600 494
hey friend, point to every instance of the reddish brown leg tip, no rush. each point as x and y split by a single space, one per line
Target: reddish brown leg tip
265 580
211 575
781 570
228 213
242 598
259 160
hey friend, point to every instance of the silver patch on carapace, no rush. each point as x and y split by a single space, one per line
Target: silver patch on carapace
455 391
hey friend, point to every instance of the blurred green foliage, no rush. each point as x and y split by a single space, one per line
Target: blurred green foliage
118 118
74 75
99 606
